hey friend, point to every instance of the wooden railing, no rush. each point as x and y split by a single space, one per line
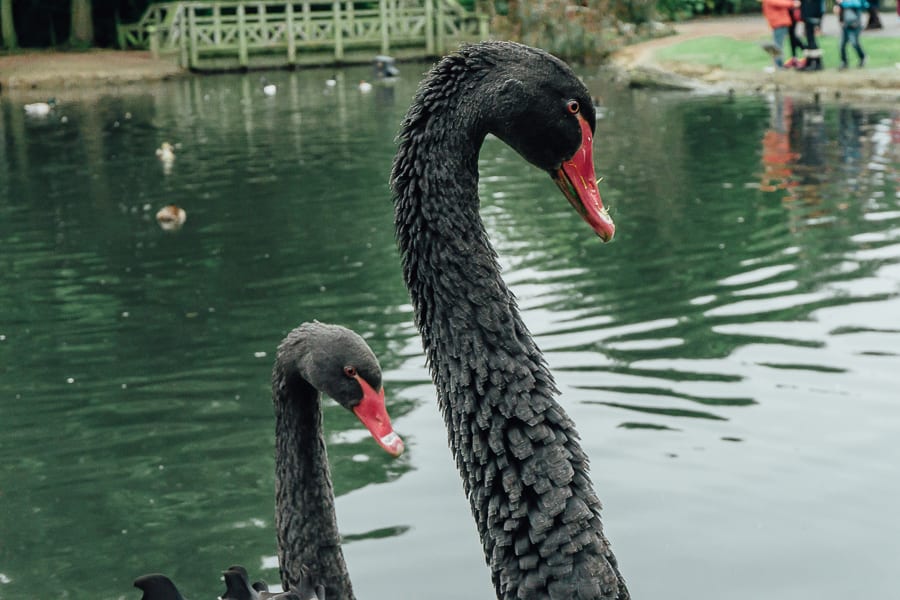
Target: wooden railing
329 29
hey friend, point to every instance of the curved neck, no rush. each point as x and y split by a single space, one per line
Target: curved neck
304 496
517 451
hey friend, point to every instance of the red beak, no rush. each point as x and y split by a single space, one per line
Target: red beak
578 183
373 414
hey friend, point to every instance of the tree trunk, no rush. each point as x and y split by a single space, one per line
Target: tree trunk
7 26
82 33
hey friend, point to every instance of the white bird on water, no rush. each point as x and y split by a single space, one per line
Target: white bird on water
365 87
166 152
171 217
40 109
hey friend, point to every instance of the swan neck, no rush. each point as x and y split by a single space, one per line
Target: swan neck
305 516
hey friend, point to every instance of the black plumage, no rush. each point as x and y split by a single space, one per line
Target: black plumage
157 587
238 586
517 450
336 361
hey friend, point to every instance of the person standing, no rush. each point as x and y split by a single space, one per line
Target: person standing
778 15
874 19
811 12
797 46
850 12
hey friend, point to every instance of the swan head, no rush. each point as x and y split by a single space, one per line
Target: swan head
339 363
541 109
157 587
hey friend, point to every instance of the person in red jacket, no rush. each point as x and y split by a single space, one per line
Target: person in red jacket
778 15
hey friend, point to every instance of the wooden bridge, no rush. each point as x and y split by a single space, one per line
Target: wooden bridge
251 34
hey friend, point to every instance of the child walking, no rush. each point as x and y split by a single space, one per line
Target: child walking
850 13
778 16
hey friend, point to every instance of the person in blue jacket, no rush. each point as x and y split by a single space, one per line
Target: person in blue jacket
850 13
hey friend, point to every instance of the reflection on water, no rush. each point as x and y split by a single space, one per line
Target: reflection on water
729 360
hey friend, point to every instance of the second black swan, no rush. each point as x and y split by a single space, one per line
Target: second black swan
314 358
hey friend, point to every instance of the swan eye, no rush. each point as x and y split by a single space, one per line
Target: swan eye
350 372
573 107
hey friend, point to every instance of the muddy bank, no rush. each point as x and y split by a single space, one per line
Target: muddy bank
36 73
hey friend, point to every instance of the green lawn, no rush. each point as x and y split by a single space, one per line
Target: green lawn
735 55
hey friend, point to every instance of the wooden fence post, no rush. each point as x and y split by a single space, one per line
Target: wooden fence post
243 59
385 26
429 28
153 34
441 27
182 37
263 28
307 23
338 31
289 32
192 28
217 23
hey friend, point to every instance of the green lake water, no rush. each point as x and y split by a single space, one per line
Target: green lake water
732 360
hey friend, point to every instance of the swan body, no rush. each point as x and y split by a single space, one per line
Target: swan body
517 451
365 87
270 89
171 217
331 81
237 584
238 587
157 587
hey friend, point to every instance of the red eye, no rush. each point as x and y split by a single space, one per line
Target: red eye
350 372
573 107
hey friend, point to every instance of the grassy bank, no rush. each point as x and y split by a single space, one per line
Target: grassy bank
737 55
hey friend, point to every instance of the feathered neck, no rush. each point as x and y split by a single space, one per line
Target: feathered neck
517 451
304 497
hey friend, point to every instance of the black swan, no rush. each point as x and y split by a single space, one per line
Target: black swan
315 357
517 451
238 587
157 587
312 358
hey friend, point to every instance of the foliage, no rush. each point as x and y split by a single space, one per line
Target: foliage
682 9
634 11
8 37
572 32
41 23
